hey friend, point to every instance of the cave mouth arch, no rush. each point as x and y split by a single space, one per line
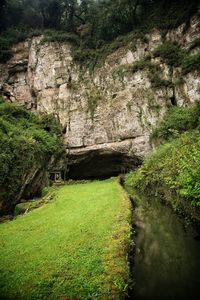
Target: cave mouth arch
101 165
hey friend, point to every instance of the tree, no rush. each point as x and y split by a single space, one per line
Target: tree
3 9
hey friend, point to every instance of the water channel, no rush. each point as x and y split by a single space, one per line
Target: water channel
167 254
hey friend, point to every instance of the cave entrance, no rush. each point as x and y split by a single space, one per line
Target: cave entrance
100 165
173 101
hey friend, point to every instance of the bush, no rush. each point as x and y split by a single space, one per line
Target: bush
26 145
157 81
177 120
154 72
194 44
191 63
174 168
60 37
13 36
172 171
170 53
142 65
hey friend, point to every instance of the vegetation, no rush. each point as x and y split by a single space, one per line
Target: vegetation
77 247
27 144
174 56
142 64
176 121
154 72
47 195
93 101
171 54
191 63
60 37
194 44
172 171
96 27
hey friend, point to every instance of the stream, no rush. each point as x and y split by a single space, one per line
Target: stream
167 254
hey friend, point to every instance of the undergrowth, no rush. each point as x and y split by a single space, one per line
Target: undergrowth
177 120
28 142
172 171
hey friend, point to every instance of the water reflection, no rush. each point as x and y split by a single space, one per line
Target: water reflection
167 258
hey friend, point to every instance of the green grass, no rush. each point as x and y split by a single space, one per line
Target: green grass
73 248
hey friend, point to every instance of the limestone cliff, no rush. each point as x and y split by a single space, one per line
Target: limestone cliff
109 113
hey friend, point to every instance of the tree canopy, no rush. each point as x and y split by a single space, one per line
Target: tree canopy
89 24
105 19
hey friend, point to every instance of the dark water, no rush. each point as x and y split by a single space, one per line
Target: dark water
167 258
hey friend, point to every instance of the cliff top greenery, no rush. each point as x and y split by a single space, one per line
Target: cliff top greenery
89 24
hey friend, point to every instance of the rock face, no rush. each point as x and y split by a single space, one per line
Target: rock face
107 115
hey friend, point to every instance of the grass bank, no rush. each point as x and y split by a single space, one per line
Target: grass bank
172 171
73 248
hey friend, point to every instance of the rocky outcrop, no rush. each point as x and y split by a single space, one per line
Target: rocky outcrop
107 116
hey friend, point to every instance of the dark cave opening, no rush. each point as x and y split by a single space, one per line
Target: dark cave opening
98 165
173 101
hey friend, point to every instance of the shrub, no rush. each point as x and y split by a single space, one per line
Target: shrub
194 44
142 65
170 53
177 120
157 81
191 63
26 145
174 168
60 37
13 36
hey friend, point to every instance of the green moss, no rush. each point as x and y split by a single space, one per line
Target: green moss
95 57
180 81
120 72
48 195
153 105
154 72
174 56
157 81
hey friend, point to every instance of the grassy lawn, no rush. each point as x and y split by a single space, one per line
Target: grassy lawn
73 248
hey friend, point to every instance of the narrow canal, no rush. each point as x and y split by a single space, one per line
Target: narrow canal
167 254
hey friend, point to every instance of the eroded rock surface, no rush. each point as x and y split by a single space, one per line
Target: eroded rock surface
107 116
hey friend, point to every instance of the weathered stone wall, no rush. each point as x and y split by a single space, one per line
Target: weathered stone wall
108 111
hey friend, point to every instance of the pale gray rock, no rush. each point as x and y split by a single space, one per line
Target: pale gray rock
109 113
